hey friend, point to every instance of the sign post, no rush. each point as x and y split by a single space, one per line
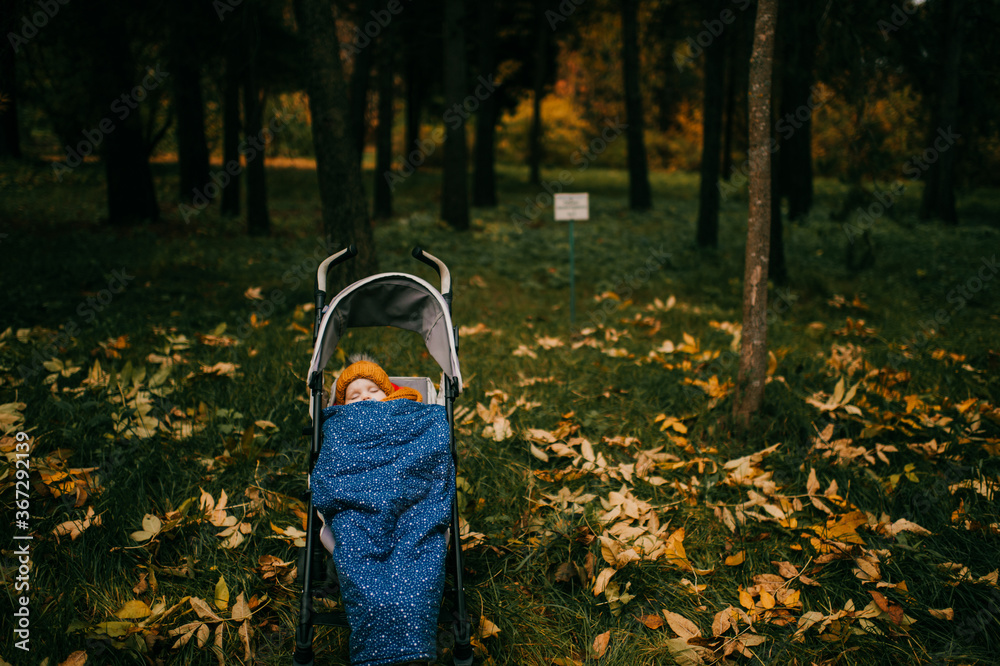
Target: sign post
572 207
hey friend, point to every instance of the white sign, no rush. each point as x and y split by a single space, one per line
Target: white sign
573 206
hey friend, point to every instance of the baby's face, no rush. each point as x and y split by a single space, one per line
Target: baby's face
363 389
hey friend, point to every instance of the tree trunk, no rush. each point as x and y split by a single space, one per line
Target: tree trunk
230 206
454 188
538 88
131 192
414 103
749 395
484 180
730 109
382 207
10 136
192 148
341 192
258 218
360 82
640 197
939 189
708 201
797 39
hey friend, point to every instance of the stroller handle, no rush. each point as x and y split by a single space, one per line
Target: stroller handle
440 267
348 252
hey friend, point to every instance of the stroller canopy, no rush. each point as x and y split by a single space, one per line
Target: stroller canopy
390 299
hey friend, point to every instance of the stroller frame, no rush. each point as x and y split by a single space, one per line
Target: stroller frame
442 340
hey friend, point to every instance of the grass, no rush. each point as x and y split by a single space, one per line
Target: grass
190 281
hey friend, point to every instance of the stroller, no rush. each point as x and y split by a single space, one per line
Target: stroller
402 301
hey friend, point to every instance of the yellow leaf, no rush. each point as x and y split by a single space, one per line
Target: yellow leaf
766 599
942 613
737 559
601 644
746 600
486 629
133 610
221 594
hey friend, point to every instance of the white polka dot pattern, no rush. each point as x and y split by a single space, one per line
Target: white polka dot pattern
384 482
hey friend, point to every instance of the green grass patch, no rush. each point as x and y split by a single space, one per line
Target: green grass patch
155 366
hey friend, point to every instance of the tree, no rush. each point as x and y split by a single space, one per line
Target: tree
385 83
131 194
360 82
258 218
939 192
797 40
230 205
640 196
10 138
342 195
189 26
749 394
708 200
454 188
541 39
484 186
192 148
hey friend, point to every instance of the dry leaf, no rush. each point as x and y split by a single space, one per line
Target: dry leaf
942 613
651 621
682 626
78 658
133 610
601 644
737 559
486 629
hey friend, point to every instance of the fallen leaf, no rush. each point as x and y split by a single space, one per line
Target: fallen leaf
651 621
682 626
601 644
78 658
737 559
942 613
133 610
221 594
486 629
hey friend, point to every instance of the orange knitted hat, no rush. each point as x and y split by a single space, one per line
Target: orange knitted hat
362 369
374 372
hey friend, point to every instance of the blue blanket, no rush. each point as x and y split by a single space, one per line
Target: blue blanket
384 482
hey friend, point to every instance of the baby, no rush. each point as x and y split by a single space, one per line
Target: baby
366 380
